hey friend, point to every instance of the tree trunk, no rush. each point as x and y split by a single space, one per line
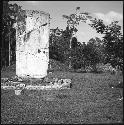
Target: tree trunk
9 49
70 65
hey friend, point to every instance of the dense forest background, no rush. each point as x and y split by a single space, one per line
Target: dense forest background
109 50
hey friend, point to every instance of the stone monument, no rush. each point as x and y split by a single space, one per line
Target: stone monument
32 44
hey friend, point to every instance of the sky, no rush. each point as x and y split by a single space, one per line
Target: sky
105 10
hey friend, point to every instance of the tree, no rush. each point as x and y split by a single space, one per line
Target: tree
96 52
59 45
72 22
89 55
12 13
7 23
74 43
77 56
113 41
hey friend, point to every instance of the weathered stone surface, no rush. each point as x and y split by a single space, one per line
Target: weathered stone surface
20 85
32 43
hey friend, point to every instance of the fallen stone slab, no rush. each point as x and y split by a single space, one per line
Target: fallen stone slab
7 87
18 86
62 83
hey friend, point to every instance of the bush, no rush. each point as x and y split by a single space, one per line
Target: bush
106 68
57 66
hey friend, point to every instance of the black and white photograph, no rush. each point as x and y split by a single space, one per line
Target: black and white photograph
62 62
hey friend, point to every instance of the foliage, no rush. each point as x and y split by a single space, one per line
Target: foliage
82 55
77 56
88 56
112 42
98 25
12 13
98 47
72 21
59 46
108 50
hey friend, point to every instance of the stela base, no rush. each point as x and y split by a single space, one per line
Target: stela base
18 86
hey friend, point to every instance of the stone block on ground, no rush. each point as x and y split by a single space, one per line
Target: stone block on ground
17 83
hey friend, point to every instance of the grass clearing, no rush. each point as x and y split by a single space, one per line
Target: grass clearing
90 100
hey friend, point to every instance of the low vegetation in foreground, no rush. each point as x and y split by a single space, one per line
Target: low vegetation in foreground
90 100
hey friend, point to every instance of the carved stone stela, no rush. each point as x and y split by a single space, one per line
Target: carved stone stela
32 44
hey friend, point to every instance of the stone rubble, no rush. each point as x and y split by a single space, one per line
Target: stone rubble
19 84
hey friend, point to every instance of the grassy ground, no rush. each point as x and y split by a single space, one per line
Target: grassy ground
90 100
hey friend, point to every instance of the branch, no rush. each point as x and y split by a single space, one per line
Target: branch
65 16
